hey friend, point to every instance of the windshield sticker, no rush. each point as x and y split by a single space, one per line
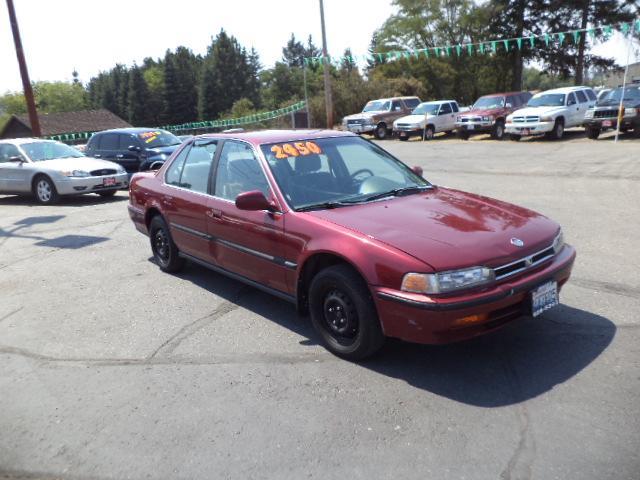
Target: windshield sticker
149 137
286 150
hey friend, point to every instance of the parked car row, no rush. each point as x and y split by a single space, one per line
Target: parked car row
516 114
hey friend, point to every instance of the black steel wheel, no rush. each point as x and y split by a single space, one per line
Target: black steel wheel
165 252
593 133
343 313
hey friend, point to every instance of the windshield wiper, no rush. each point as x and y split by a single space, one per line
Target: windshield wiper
322 206
396 192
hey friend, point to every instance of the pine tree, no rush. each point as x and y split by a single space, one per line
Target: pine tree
294 52
137 98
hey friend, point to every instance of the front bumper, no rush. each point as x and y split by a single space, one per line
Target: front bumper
432 320
80 185
524 129
360 128
612 122
475 126
407 132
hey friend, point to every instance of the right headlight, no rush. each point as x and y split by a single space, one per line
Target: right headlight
444 282
589 113
630 112
558 242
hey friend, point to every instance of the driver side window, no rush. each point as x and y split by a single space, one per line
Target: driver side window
571 100
396 107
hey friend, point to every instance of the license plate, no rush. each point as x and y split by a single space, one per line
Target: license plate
544 297
109 181
471 127
607 123
525 131
403 134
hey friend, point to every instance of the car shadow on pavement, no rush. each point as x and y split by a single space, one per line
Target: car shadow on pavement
521 361
65 201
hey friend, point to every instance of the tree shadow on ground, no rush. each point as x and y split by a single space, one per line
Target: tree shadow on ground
523 360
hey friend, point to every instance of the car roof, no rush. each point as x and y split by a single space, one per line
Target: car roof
260 137
22 141
130 130
439 101
502 94
393 98
565 89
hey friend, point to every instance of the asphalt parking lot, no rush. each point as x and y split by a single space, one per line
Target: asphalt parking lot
110 369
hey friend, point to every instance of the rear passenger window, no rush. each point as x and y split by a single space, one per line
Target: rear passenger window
127 141
590 94
525 97
172 177
197 167
445 108
238 171
454 106
395 106
109 141
582 98
513 100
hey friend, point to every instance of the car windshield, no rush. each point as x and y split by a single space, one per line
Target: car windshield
426 108
547 100
329 172
377 106
630 93
39 151
488 102
158 138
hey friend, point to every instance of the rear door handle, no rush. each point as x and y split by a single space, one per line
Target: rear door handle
119 156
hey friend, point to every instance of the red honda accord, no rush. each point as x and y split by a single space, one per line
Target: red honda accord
351 235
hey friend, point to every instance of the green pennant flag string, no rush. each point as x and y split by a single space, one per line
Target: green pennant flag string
448 51
624 28
608 30
436 51
576 36
638 26
506 45
494 45
481 48
546 39
592 33
458 49
426 53
519 43
470 49
532 41
561 38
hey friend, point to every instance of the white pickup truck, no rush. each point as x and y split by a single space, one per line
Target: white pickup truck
551 112
427 119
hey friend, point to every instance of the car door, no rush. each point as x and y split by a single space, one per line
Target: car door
583 103
184 198
126 155
573 111
108 147
446 118
247 243
14 176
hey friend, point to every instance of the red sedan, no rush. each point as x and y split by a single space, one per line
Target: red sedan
351 235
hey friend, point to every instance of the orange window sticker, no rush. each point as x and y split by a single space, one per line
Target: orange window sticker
295 149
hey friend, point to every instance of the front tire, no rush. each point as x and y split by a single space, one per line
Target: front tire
429 133
558 129
498 130
593 133
381 131
165 252
463 135
515 138
44 190
403 139
343 313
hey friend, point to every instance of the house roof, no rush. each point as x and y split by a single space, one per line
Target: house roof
71 122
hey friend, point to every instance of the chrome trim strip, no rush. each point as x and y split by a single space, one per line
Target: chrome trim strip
265 256
529 263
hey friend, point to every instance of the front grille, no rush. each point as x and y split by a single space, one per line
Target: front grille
404 125
355 122
103 172
470 119
528 119
609 113
523 264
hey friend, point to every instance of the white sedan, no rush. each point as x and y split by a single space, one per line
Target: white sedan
47 169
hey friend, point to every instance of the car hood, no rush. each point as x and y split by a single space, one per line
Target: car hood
168 150
364 115
448 229
483 111
83 163
412 119
538 111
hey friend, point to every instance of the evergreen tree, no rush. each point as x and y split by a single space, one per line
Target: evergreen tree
253 78
294 52
137 98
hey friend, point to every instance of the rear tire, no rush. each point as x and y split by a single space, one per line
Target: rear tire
108 193
515 138
381 131
593 133
44 190
165 251
343 313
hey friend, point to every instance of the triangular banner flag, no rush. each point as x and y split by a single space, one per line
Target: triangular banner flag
532 41
561 38
506 45
519 43
576 36
470 49
458 49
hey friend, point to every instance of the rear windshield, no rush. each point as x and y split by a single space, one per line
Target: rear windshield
158 138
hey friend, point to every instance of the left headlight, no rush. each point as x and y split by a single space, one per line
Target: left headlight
444 282
546 118
558 242
589 113
487 118
77 174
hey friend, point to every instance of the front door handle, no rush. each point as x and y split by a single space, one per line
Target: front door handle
214 213
96 155
119 156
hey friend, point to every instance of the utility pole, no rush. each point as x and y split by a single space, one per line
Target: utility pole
328 100
26 83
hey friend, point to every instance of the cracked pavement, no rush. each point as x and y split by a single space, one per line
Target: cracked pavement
110 369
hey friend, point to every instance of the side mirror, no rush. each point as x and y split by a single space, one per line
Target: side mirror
133 148
417 170
253 200
508 105
16 159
